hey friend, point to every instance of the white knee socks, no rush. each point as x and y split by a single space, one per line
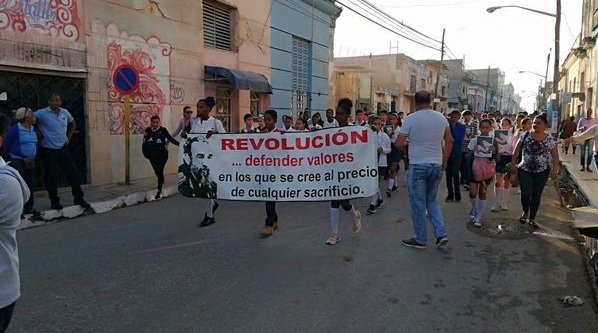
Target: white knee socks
391 183
209 207
334 219
374 198
480 208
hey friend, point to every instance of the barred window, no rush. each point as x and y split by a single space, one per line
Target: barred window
217 25
300 68
254 103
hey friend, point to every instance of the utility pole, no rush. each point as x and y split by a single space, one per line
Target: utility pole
487 89
436 94
545 86
556 111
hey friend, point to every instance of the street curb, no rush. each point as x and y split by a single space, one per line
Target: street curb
53 216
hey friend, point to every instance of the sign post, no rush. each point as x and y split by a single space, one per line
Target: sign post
126 81
127 130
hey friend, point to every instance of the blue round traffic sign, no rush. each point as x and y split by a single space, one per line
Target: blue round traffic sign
126 79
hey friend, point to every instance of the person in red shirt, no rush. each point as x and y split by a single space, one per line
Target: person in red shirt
569 127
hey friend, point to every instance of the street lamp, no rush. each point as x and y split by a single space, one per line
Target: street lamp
557 37
492 9
538 74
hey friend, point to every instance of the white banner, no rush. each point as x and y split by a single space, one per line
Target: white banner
331 164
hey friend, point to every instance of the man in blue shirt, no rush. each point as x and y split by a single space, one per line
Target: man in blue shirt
453 165
57 127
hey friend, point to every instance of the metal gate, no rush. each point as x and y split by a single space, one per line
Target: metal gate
223 99
32 90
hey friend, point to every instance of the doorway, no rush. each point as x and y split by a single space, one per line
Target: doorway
32 91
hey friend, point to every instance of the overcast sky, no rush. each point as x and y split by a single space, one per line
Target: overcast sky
510 38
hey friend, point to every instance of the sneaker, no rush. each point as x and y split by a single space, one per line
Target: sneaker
441 241
495 207
372 210
357 223
379 203
275 226
81 202
158 195
449 198
395 188
333 239
413 243
504 206
207 221
267 231
582 169
477 223
388 193
589 170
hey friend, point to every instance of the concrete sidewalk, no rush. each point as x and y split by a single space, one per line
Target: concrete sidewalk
102 198
584 217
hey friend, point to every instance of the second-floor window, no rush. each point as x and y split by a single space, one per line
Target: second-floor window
217 25
412 84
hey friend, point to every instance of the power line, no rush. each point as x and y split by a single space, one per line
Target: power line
380 25
391 22
436 5
399 22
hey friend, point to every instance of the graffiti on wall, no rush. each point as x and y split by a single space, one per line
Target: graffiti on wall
56 18
151 60
177 92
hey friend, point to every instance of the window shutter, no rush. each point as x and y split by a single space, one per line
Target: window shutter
217 26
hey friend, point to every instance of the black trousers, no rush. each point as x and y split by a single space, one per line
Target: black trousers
453 168
271 216
5 316
28 176
55 160
531 185
158 163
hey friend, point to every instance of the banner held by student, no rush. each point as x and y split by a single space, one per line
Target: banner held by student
331 164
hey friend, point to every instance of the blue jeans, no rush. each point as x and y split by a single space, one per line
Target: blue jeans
585 153
422 184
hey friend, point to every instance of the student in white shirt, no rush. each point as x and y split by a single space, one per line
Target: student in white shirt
287 122
316 122
206 124
383 148
478 187
330 121
395 156
248 120
301 125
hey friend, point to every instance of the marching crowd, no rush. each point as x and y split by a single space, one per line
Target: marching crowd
472 151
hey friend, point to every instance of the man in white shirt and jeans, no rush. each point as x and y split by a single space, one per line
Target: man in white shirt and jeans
585 153
13 194
426 129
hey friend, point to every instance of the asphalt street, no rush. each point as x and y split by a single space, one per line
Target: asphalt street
149 268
